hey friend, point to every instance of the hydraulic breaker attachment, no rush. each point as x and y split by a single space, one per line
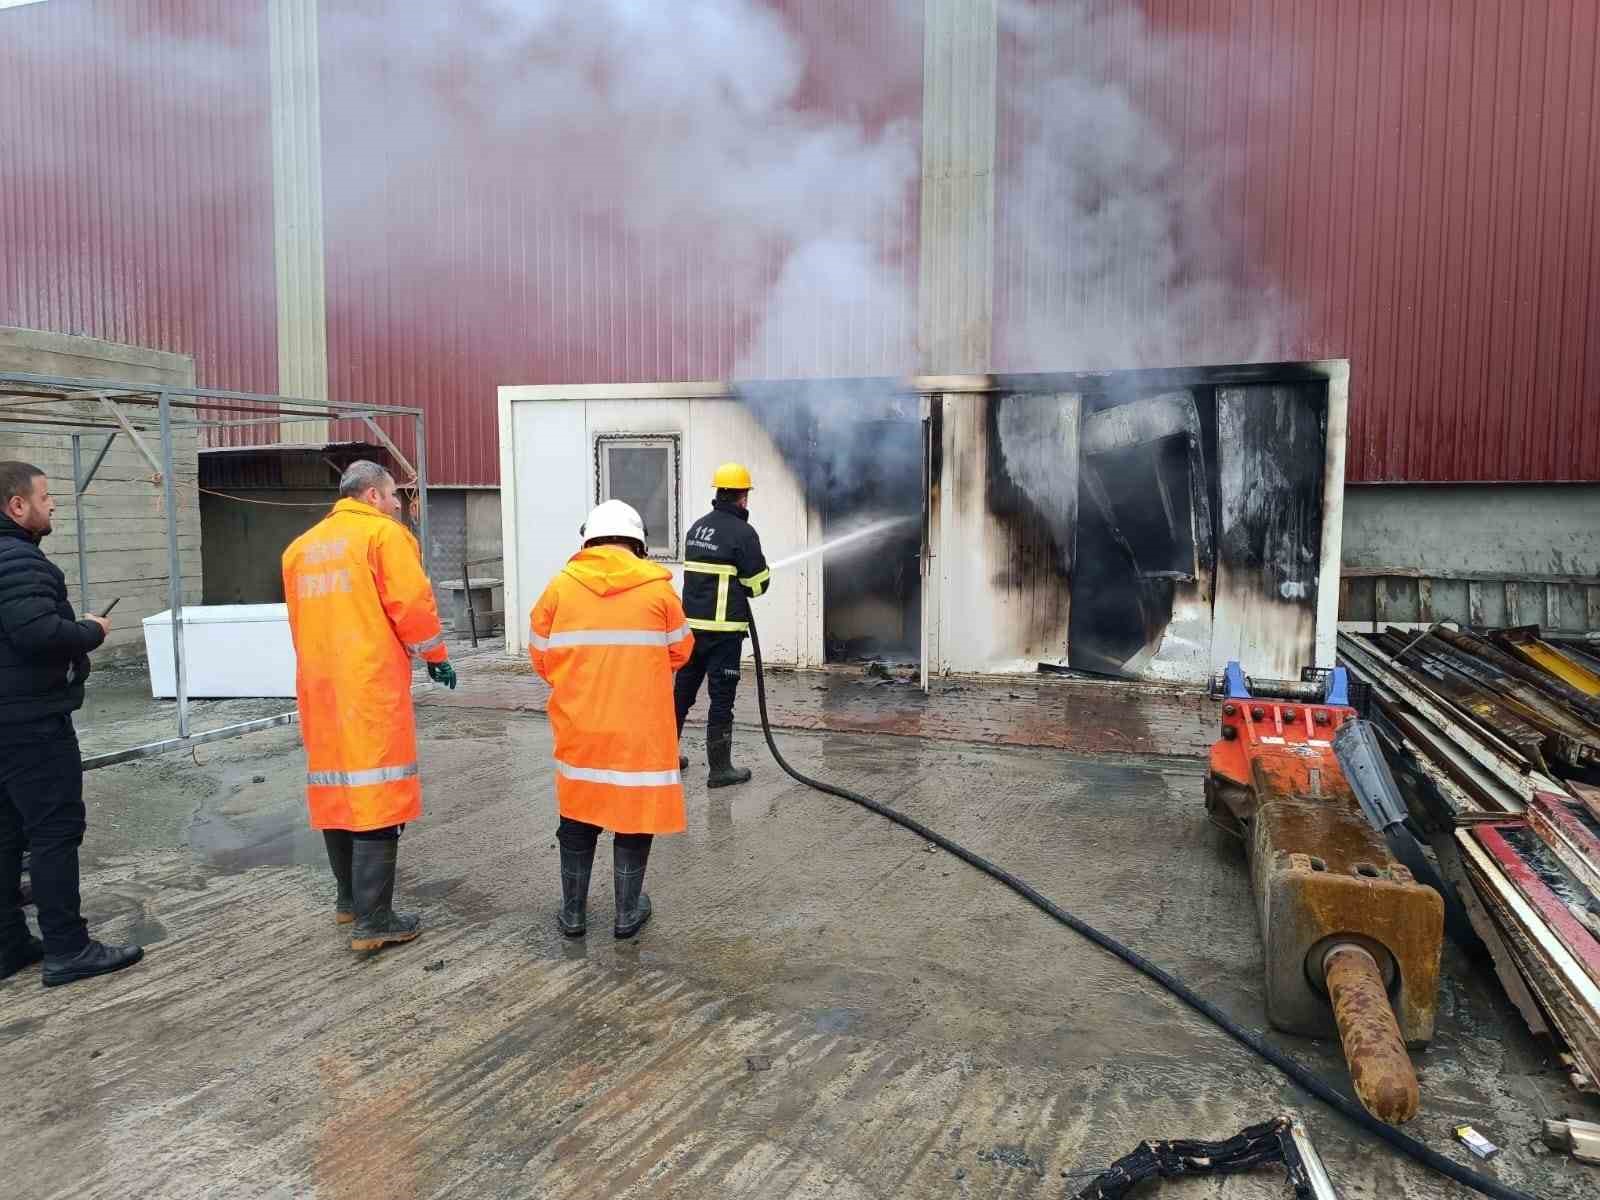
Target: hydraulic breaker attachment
1352 940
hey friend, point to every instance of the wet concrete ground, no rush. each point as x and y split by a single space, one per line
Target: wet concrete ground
822 1007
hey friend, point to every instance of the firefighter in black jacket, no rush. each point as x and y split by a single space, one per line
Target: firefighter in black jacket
722 569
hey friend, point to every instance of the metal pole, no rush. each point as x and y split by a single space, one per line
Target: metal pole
422 495
87 478
174 566
77 519
466 586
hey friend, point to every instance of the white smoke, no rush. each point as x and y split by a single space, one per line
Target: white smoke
769 156
681 132
1117 253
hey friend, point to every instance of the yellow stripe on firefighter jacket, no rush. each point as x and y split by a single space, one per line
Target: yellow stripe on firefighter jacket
723 570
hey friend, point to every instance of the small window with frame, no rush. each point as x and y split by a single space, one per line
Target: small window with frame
642 470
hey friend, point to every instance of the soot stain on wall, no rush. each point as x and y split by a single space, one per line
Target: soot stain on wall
1034 512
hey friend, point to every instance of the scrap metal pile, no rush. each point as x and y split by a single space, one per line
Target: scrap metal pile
1494 737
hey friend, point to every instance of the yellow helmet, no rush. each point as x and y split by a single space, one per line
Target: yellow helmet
733 476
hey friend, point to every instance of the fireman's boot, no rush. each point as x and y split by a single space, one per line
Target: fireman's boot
630 856
372 884
719 754
340 848
573 919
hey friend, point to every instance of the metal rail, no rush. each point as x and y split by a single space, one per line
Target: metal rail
127 411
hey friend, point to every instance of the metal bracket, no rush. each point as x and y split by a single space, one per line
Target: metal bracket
394 451
1237 688
100 457
1338 687
127 428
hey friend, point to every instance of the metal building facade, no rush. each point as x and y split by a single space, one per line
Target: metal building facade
135 190
463 274
1418 181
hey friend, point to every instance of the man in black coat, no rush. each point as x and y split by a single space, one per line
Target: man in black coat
44 659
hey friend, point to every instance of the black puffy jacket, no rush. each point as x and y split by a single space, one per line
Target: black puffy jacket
723 567
44 651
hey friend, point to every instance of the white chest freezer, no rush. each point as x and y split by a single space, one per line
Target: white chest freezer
230 650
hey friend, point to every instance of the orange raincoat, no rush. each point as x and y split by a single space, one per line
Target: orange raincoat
359 608
607 635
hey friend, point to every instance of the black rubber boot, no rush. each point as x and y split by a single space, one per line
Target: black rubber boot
340 847
372 883
629 858
573 918
12 961
719 753
94 959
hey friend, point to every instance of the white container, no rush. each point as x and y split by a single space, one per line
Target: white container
230 650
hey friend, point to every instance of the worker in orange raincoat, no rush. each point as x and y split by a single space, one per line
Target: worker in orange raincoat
607 635
360 606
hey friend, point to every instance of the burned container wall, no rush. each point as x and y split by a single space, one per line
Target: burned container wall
1140 524
1272 451
1006 490
1146 558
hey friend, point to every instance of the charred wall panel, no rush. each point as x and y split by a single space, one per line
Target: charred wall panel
1142 593
1148 525
1007 496
1272 443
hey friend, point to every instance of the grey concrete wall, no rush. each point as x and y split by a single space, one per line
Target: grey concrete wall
124 512
1481 553
466 523
1521 529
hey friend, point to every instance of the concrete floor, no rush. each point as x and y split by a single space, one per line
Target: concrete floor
822 1007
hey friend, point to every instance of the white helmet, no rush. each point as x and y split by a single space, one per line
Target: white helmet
613 519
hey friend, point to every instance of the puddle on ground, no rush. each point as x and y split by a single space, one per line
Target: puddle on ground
13 1030
838 1020
146 932
436 889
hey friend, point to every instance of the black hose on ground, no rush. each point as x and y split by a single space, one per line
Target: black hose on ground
1322 1090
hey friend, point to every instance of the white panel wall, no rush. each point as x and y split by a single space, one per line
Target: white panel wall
543 503
549 484
789 616
996 615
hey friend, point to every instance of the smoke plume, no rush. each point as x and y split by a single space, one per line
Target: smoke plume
698 153
1116 253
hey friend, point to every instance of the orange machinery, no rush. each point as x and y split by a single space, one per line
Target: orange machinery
1352 939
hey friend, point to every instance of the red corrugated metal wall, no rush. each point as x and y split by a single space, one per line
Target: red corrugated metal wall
136 179
1412 186
1419 181
452 270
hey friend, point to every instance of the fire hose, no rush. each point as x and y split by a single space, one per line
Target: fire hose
1301 1076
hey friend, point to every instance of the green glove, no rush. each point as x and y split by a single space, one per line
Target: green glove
443 672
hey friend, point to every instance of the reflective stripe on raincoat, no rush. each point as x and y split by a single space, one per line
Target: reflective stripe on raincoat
607 635
360 607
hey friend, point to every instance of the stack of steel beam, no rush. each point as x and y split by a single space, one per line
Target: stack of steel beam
1495 738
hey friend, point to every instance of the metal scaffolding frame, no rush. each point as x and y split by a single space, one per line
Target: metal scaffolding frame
133 410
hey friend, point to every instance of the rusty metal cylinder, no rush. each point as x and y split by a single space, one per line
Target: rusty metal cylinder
1380 1067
